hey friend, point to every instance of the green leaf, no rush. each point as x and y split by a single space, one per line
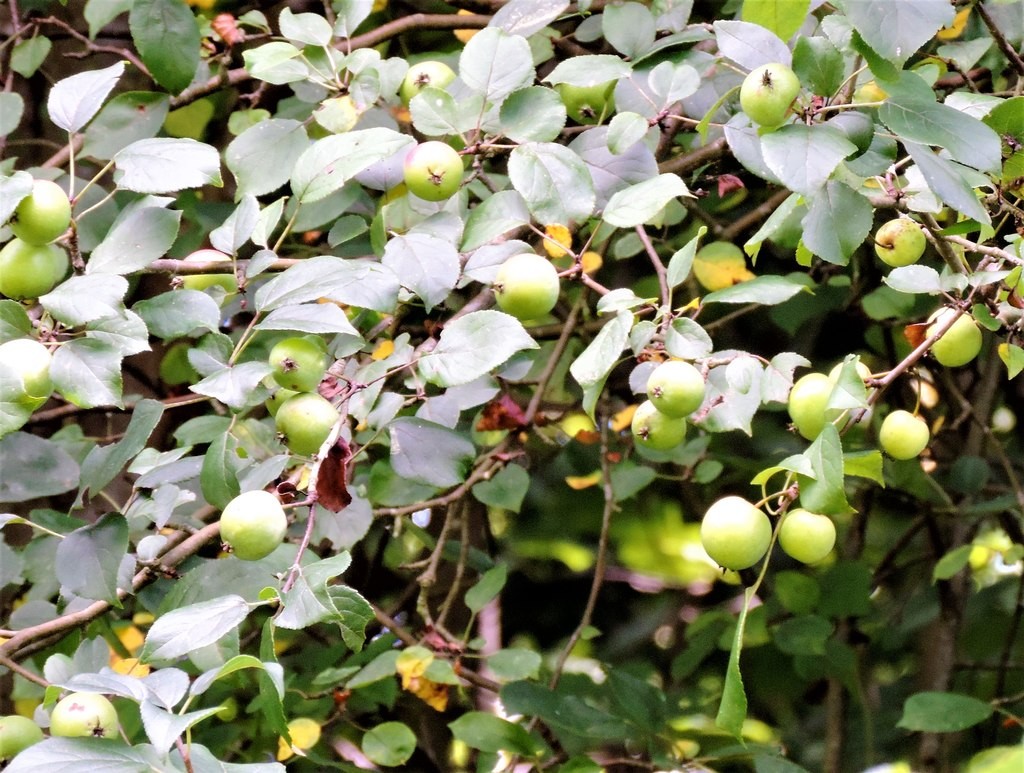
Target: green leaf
640 203
686 339
681 263
14 321
768 290
837 222
506 489
515 663
594 364
70 755
99 13
262 157
948 181
179 313
496 215
163 727
310 318
166 35
589 70
495 64
425 452
435 112
486 588
134 241
489 733
1013 357
732 711
864 464
914 279
819 64
277 63
75 100
525 17
127 118
28 54
362 283
825 493
565 714
553 181
12 108
104 463
625 130
88 372
630 29
164 165
639 702
804 157
942 712
426 264
89 559
34 467
533 114
83 299
389 744
783 17
219 476
896 30
750 45
846 590
474 345
951 563
191 627
307 29
234 385
803 635
326 165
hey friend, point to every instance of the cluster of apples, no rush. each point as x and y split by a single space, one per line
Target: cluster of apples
30 264
303 417
675 389
78 715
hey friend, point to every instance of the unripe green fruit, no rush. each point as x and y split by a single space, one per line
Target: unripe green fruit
305 421
43 215
202 281
735 533
279 398
900 242
958 345
807 401
30 360
253 524
653 429
433 171
767 92
84 715
903 435
17 733
807 537
526 286
588 104
299 363
424 74
676 388
28 270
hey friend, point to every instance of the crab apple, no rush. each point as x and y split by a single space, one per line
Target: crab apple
299 362
305 421
43 215
676 388
29 270
424 74
900 242
17 733
433 171
202 281
807 401
588 104
735 533
526 286
808 537
903 435
84 714
767 92
958 345
253 524
279 398
30 361
653 429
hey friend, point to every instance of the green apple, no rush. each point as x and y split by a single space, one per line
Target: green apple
900 242
588 104
84 715
305 421
862 370
676 388
17 733
30 360
175 369
279 398
903 435
767 93
253 524
958 345
735 533
857 127
29 270
433 171
807 401
654 429
424 74
526 286
808 537
202 281
299 363
43 215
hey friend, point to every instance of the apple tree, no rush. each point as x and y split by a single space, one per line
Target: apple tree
507 386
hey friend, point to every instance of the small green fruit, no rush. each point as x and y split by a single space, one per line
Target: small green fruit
958 345
903 435
735 533
299 363
676 388
588 104
30 361
279 398
807 537
17 733
43 215
807 401
253 524
433 171
424 74
84 715
653 429
202 281
305 421
900 242
767 93
28 270
526 286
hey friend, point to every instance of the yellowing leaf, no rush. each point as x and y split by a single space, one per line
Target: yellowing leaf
412 664
128 666
623 418
957 28
559 240
383 350
465 35
720 265
305 732
591 262
131 637
580 482
284 750
433 694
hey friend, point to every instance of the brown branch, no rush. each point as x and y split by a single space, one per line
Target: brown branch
92 47
754 216
687 162
417 21
1004 45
